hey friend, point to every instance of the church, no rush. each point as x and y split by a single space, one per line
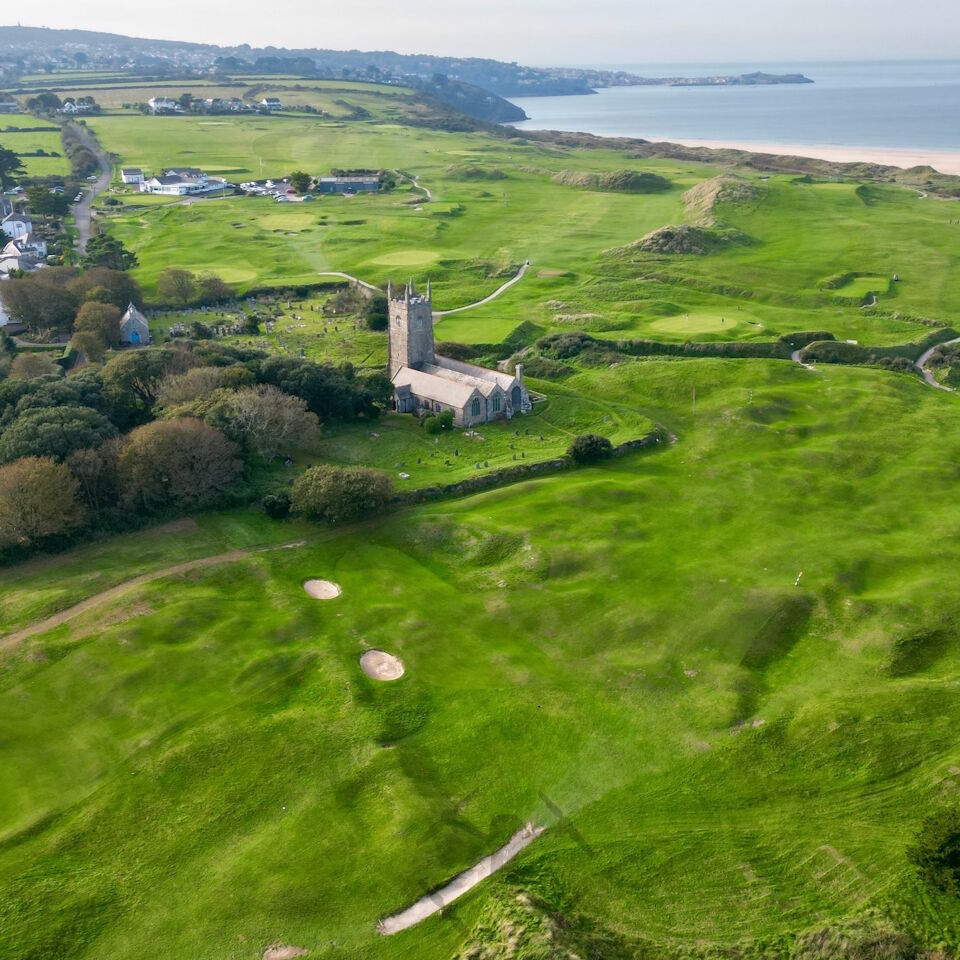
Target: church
423 381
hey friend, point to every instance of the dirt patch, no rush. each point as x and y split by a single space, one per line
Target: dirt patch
282 951
322 589
379 665
551 273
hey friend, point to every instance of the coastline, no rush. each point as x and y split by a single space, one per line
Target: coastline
943 161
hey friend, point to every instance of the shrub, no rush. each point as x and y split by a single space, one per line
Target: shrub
936 851
432 425
54 432
276 505
446 419
38 498
337 494
181 462
589 448
375 312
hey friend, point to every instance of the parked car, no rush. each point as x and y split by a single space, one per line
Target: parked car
92 177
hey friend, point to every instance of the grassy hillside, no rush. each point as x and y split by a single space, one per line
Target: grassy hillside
721 757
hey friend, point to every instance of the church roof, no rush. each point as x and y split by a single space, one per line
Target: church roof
505 380
133 315
423 383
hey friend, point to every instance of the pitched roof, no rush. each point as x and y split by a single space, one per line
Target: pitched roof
422 383
133 315
505 380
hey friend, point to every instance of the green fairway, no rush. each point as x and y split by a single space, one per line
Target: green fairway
32 140
623 646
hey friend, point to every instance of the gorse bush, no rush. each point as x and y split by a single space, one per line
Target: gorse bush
590 448
936 851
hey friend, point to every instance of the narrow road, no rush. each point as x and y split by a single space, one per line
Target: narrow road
493 296
921 365
81 211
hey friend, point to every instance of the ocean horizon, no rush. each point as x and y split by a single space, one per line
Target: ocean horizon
910 106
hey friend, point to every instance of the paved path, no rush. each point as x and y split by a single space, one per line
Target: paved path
921 365
795 357
346 276
81 211
493 296
42 626
436 313
433 902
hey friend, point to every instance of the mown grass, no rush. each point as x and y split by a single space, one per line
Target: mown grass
735 758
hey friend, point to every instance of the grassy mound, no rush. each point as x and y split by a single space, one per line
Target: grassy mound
702 200
471 171
619 181
684 239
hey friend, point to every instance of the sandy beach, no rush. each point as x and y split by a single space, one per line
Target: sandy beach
946 161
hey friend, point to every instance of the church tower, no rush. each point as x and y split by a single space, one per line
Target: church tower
411 328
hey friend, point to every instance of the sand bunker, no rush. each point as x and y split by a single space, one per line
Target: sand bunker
281 951
381 666
433 902
322 589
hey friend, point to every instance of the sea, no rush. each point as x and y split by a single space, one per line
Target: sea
902 105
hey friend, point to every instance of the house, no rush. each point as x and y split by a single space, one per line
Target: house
16 225
423 381
9 106
13 258
271 103
68 107
348 184
26 246
134 330
132 175
163 105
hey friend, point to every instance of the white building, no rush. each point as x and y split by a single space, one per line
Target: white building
163 105
16 225
271 103
134 330
26 246
132 175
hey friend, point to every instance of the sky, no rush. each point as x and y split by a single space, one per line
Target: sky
541 32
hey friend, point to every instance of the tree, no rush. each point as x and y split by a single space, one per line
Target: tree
267 420
28 366
138 373
176 286
95 470
337 494
186 101
104 250
589 448
43 301
43 202
211 289
11 166
328 393
300 181
375 312
107 286
100 319
54 432
38 498
90 345
182 463
189 385
44 103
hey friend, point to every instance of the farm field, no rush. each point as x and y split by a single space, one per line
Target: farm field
30 141
720 673
619 654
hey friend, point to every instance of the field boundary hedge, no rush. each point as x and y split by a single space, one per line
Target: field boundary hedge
522 471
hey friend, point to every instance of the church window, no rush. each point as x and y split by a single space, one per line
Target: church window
496 404
475 407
